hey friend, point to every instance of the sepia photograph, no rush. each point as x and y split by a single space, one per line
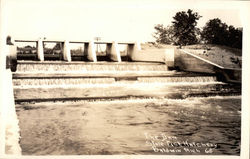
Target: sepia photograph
114 78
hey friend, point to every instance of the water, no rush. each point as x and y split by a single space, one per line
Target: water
179 79
119 127
201 113
168 90
81 66
61 81
122 108
110 80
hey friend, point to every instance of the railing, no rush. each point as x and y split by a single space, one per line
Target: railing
112 49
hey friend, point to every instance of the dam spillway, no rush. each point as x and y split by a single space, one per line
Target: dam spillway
35 81
96 108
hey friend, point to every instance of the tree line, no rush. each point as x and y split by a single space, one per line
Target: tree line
184 31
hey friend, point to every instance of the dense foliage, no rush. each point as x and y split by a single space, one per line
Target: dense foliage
184 25
217 32
183 31
164 35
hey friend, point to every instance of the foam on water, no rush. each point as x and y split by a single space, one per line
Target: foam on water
71 82
63 67
133 100
197 79
62 81
103 83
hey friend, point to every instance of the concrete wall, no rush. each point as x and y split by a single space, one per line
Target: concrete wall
231 75
155 55
11 58
9 120
188 62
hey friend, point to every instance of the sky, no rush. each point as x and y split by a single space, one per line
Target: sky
110 20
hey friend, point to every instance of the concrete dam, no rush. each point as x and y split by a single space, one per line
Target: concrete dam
115 103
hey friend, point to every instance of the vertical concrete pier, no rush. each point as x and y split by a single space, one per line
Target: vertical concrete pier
40 53
169 57
66 51
133 50
113 51
138 45
89 48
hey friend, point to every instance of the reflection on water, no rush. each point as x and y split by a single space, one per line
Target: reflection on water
119 127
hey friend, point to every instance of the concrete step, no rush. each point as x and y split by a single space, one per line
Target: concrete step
101 77
47 81
43 82
104 74
61 66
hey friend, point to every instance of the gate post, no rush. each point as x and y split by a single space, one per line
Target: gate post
133 50
40 53
91 54
66 51
113 51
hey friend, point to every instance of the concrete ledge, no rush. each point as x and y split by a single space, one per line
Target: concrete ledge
88 63
106 75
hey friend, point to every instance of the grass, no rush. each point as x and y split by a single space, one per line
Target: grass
222 55
215 48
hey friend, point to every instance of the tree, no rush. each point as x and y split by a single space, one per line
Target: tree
217 32
164 35
28 47
58 46
184 27
234 37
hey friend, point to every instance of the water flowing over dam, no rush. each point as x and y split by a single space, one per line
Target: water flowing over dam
83 108
135 101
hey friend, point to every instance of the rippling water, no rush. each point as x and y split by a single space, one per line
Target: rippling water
129 126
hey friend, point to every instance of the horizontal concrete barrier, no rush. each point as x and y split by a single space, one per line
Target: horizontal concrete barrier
187 61
156 55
